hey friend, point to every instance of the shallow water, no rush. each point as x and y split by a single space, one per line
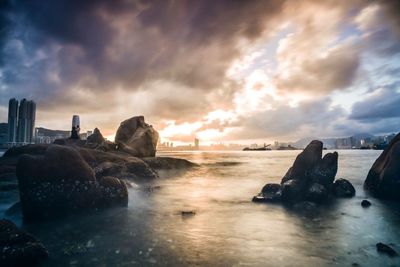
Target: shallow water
227 229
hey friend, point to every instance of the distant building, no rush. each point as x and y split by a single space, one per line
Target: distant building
3 133
196 144
21 121
12 120
47 136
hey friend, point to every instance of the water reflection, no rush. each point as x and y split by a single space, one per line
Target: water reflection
227 228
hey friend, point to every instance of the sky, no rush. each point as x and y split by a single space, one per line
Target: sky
219 70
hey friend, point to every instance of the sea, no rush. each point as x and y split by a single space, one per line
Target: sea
205 217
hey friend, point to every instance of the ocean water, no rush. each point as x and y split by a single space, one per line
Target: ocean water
227 229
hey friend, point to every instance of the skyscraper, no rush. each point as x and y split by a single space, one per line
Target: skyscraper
12 120
26 121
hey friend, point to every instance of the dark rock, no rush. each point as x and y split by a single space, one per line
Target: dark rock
311 178
18 248
325 172
137 138
96 137
269 193
317 193
113 192
343 188
365 203
293 190
383 180
385 249
60 182
306 161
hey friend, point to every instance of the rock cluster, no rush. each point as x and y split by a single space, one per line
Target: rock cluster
311 178
61 182
79 175
18 248
383 180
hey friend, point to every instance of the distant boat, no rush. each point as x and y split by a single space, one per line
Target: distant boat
264 148
289 147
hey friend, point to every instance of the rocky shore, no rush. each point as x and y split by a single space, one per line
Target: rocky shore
310 180
75 176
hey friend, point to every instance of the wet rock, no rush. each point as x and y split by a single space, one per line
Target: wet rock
343 188
113 192
383 180
386 249
269 193
58 183
293 190
312 177
137 138
326 170
365 203
18 248
317 193
96 137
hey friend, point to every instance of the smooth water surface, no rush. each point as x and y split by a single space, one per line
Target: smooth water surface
227 228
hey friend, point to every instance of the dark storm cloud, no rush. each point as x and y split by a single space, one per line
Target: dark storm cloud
381 104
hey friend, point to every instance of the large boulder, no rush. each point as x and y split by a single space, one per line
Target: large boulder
18 248
60 182
137 138
310 178
383 180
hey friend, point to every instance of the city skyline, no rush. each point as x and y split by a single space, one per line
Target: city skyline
21 121
256 71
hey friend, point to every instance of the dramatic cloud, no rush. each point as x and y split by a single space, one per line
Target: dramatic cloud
380 104
218 70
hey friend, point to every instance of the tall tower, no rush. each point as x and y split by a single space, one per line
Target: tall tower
196 143
31 121
12 120
22 129
75 127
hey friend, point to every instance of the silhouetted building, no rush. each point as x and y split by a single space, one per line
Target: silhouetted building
26 121
12 120
196 143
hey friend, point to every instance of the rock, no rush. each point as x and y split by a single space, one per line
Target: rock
343 188
307 160
113 192
383 180
365 203
311 178
60 182
326 171
269 193
18 248
317 193
96 137
385 249
137 138
293 190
